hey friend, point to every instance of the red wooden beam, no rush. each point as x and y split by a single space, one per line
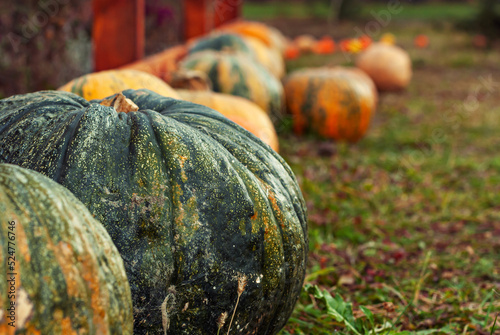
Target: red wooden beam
226 11
117 33
196 21
201 16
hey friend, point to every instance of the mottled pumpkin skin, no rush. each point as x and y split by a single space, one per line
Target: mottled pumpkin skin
268 57
270 36
69 276
190 199
239 110
238 74
220 42
102 84
331 102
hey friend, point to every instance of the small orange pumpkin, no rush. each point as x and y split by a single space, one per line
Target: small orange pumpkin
333 102
325 46
366 41
292 52
480 41
388 38
305 43
421 41
388 65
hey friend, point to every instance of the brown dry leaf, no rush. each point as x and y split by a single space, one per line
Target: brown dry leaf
447 275
387 309
346 279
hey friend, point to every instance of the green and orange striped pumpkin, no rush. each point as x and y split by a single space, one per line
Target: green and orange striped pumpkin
333 102
204 214
57 263
220 42
238 74
270 36
270 58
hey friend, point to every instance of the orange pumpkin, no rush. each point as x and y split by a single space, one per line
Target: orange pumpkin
480 41
292 51
162 64
388 38
324 46
421 41
355 45
239 110
388 65
333 102
305 43
366 41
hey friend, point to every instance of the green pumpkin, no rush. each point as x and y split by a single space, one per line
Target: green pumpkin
239 74
221 42
203 213
57 263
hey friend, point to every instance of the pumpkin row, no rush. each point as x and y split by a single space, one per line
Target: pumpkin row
245 59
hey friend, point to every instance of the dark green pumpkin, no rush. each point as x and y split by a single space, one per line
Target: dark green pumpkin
221 42
68 276
239 74
193 202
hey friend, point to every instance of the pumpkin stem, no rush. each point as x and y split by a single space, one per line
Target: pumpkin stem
120 103
193 80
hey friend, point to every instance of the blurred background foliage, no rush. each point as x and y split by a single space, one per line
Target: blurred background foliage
45 43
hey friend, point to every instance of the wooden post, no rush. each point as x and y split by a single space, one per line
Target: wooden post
226 11
118 32
201 16
195 18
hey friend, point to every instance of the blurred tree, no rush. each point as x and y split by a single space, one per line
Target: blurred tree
343 9
348 9
485 22
488 18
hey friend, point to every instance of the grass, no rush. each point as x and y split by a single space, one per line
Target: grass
404 226
322 9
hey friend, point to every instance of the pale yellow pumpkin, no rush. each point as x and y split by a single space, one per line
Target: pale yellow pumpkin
388 65
239 110
99 85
